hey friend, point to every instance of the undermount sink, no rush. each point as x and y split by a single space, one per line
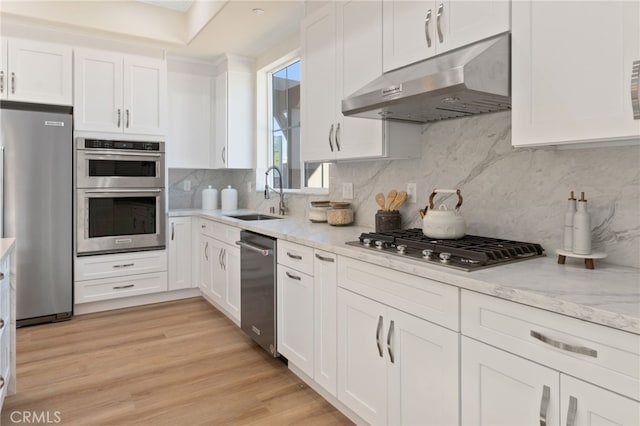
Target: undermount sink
254 216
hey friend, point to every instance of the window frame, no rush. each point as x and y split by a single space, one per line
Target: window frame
264 139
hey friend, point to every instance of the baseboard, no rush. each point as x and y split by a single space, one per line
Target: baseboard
127 302
327 396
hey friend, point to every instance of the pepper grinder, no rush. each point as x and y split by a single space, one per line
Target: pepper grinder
568 223
582 228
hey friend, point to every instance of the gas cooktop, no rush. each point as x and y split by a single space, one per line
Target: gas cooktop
468 253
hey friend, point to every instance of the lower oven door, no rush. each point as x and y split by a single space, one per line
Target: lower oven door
119 220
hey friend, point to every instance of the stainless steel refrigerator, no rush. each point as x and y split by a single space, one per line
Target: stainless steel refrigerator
37 207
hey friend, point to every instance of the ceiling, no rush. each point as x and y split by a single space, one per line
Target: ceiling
196 28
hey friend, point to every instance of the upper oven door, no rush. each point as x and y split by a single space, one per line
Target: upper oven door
103 168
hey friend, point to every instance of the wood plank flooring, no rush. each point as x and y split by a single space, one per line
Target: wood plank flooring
176 363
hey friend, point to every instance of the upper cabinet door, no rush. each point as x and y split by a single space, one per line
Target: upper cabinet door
574 86
318 39
39 72
98 91
145 95
463 22
359 61
408 29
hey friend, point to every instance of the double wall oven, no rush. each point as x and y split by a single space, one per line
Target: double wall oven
120 196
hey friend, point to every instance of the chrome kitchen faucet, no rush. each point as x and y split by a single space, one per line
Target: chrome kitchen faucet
282 208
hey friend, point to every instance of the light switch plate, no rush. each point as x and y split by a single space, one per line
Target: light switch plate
411 193
347 191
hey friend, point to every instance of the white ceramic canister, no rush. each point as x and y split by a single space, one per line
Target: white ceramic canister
229 199
209 198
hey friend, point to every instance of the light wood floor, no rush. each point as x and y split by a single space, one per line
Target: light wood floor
177 363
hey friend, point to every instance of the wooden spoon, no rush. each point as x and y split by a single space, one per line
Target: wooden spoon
400 199
380 199
390 198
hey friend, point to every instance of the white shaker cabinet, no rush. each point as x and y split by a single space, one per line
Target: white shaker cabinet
395 364
189 139
33 71
179 251
119 93
342 52
219 267
234 114
417 30
573 84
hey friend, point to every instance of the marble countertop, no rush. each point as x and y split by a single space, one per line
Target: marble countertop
608 295
6 244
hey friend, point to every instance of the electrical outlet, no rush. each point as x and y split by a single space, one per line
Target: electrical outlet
186 185
411 193
347 191
249 187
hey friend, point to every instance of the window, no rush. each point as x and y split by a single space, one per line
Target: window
284 134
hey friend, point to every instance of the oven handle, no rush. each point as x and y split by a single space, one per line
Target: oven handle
262 251
122 191
119 154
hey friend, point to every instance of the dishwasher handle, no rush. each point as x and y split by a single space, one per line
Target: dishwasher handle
262 251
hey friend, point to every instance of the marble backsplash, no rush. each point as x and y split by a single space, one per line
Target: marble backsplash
508 193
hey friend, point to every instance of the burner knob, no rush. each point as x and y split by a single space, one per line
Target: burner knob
366 242
401 248
444 257
379 245
426 253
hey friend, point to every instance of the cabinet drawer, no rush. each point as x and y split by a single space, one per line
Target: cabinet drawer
422 297
296 256
220 231
598 354
118 265
113 288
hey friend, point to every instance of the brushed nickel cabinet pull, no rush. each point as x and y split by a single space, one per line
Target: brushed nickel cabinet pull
573 410
427 19
338 137
635 89
120 287
378 333
124 265
293 277
1 324
224 259
220 258
582 350
119 117
544 405
224 155
1 276
13 82
1 81
325 259
127 115
206 250
173 230
1 382
439 15
389 337
294 256
330 138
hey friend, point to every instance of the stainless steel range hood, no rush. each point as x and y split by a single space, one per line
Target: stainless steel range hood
473 79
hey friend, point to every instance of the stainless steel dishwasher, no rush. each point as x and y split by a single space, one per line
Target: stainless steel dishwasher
258 289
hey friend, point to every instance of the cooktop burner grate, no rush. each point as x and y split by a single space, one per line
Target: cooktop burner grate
467 253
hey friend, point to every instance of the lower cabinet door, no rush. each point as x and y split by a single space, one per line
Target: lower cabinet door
498 388
422 372
231 265
324 300
218 275
362 358
586 404
295 318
